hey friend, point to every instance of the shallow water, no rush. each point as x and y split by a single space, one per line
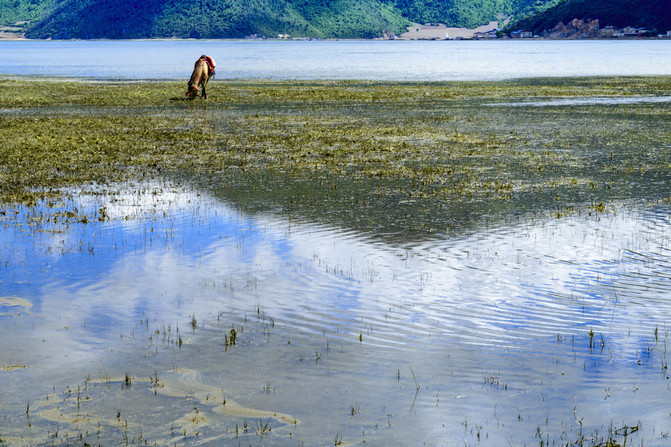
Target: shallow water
119 331
589 101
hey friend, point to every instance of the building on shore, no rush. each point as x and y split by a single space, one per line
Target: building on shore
611 31
492 34
521 34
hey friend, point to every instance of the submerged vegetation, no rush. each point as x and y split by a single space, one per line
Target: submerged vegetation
379 157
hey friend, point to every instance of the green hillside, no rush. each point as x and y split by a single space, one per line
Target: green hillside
468 13
529 8
89 19
116 19
18 11
653 14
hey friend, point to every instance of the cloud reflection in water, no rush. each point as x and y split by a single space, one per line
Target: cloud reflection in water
493 325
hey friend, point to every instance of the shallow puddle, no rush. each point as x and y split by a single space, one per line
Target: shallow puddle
589 101
174 319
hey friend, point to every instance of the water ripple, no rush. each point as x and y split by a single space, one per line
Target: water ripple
550 317
502 290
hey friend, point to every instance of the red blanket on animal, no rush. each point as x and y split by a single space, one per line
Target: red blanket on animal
210 63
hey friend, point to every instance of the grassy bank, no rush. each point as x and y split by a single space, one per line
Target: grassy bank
385 157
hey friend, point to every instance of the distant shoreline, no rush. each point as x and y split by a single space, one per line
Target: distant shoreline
415 32
462 38
428 32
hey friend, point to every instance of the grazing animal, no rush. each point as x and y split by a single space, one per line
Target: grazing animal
203 70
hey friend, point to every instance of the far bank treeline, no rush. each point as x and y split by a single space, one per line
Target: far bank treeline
126 19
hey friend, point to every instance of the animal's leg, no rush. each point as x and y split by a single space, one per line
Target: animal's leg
204 93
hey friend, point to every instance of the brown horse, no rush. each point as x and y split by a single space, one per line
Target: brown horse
202 72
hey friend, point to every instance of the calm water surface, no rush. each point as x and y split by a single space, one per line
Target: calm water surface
482 339
374 60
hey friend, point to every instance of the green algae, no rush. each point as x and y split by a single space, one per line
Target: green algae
376 156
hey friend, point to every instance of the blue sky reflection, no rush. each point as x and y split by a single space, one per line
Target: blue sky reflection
494 326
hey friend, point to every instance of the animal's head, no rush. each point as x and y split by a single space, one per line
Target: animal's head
192 91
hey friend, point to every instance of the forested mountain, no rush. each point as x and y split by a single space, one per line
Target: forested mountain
469 13
13 11
115 19
652 14
87 19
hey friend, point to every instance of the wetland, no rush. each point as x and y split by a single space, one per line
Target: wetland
335 262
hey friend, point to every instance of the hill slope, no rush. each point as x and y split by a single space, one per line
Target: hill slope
86 19
653 14
115 19
469 13
18 11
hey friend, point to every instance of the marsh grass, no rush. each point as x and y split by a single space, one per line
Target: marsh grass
380 157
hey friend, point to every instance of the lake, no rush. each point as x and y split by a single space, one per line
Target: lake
371 60
262 313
